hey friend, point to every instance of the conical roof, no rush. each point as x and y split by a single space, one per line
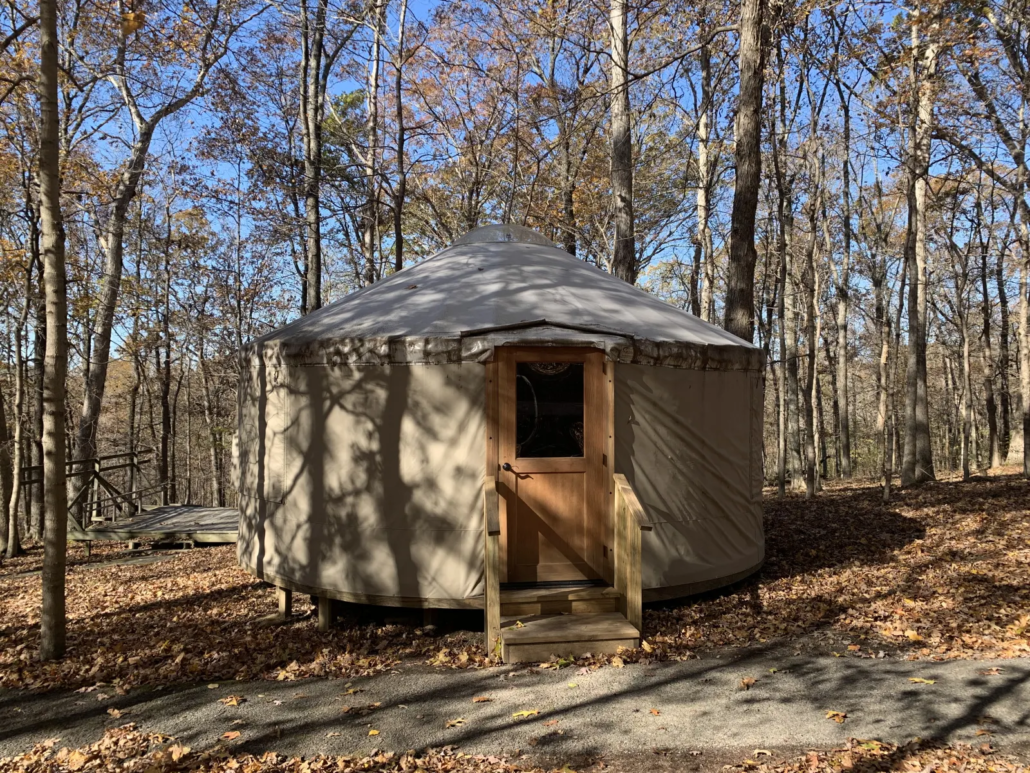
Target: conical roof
501 284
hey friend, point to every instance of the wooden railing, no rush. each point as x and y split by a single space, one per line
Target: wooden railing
96 490
630 521
492 579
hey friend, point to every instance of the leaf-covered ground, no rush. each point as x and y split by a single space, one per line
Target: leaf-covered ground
939 573
129 750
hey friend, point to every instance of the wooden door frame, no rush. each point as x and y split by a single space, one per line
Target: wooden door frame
603 412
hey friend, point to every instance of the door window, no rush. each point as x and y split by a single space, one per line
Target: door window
549 409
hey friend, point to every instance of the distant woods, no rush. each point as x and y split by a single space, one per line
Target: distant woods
847 185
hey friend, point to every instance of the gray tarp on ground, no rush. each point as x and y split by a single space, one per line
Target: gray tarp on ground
362 426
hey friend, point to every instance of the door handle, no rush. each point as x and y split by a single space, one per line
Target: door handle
506 467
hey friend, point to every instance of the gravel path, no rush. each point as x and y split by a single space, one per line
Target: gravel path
666 708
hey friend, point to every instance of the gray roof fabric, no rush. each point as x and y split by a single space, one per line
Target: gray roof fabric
491 288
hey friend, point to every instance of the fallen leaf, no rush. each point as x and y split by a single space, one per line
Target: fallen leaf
747 683
331 735
837 716
526 713
231 735
373 732
212 687
646 647
232 700
656 712
481 699
995 671
116 713
551 722
920 680
178 751
76 760
573 684
618 662
456 722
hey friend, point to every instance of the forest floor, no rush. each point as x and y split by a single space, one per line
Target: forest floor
939 573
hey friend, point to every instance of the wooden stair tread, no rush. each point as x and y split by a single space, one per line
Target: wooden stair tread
602 626
577 593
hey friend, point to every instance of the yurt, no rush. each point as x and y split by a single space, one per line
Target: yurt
366 429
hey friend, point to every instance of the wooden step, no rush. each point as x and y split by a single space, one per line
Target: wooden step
566 636
576 600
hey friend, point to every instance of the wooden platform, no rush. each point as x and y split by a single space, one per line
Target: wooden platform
187 523
566 636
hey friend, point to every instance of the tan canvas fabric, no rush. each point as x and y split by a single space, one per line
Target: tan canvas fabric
372 479
685 441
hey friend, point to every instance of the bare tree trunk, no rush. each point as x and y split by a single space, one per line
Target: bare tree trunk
843 288
210 420
703 249
1005 430
1024 347
967 395
370 221
987 354
401 188
624 258
918 458
312 106
52 621
8 509
740 273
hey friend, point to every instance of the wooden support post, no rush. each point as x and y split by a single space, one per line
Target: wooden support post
89 548
492 551
97 511
285 599
630 521
133 471
325 613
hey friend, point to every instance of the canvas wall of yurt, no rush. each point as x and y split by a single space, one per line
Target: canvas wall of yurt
366 429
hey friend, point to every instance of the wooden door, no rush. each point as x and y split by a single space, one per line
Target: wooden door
552 425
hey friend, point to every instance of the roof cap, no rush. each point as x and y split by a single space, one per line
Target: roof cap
506 232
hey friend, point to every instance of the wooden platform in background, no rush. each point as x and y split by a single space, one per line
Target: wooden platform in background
186 523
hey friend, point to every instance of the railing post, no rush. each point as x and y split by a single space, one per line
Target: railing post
95 475
629 522
492 573
133 468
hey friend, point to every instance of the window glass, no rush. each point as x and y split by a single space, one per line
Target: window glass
549 409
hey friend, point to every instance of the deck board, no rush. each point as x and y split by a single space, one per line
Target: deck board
179 522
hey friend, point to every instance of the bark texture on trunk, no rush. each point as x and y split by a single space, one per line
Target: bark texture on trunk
624 258
312 105
740 271
55 536
917 463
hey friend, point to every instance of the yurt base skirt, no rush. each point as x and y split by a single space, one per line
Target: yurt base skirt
650 595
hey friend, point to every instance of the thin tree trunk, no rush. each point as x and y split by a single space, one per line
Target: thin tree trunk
987 354
740 274
311 109
370 221
1005 430
703 250
624 259
843 287
401 188
8 509
52 621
